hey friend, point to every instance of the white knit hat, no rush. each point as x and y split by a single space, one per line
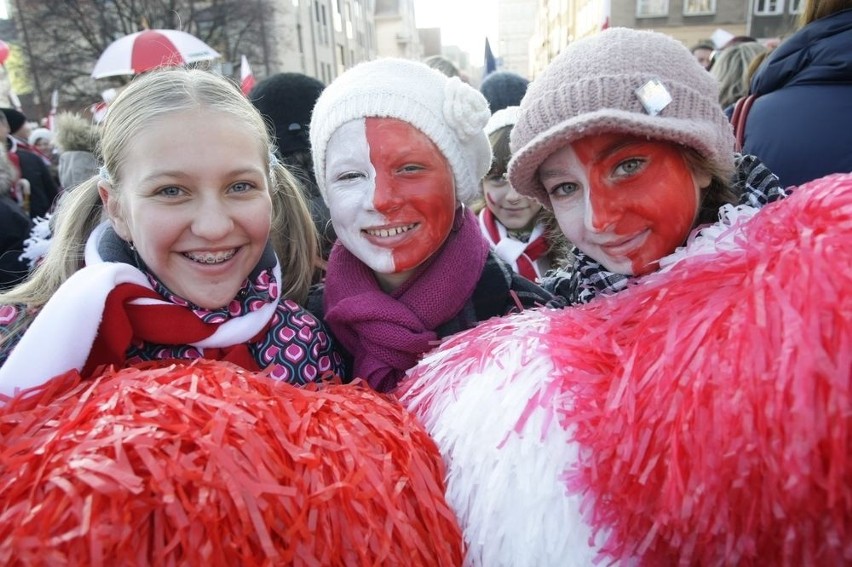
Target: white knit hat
502 118
451 113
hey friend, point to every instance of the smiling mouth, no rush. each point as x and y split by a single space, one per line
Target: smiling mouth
621 247
210 257
388 232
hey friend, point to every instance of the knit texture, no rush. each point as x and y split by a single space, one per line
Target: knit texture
502 89
387 333
451 113
590 88
502 118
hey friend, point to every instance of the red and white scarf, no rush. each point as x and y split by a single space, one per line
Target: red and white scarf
529 259
94 315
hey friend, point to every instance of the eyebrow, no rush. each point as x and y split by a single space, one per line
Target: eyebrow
607 151
180 174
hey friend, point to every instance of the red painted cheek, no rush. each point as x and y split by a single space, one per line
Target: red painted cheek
426 197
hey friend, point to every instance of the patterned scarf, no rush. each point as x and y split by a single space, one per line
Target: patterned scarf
522 256
387 333
114 312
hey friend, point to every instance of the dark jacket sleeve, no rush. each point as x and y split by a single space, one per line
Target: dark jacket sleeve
43 190
14 229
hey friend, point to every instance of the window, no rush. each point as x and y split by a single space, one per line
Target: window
652 8
796 6
768 7
699 7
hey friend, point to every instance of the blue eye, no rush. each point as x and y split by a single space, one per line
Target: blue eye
629 167
242 187
563 190
171 191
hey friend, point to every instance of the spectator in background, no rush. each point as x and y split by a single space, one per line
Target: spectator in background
519 229
800 123
444 65
503 89
731 67
14 228
286 100
703 52
76 138
32 166
42 140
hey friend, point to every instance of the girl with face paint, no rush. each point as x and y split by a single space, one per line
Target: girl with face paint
630 175
398 149
519 229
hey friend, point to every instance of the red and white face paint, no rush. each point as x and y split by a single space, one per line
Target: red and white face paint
390 193
623 200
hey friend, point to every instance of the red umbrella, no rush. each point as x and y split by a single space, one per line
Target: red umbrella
146 50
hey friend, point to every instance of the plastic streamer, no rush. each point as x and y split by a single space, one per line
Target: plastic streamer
209 464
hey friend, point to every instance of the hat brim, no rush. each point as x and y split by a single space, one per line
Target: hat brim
523 168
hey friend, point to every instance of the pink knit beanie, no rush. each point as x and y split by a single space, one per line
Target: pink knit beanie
619 80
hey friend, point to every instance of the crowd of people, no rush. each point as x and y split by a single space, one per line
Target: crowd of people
343 231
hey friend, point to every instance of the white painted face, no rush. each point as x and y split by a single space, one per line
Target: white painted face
351 184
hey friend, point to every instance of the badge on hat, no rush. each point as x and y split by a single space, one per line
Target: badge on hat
654 96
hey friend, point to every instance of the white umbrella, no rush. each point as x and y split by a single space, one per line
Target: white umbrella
146 50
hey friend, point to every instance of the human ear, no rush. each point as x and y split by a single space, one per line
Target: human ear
702 179
112 206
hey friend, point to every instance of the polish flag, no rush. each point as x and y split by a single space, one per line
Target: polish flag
246 76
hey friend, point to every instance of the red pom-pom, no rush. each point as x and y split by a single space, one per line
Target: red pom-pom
209 464
723 432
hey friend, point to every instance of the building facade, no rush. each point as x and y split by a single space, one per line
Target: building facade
321 38
559 22
516 21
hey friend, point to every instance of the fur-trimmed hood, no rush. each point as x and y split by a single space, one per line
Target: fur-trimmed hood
76 133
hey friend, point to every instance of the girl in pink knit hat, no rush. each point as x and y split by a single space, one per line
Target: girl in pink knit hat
623 137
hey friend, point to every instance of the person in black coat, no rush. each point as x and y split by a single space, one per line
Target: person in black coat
800 123
43 189
14 229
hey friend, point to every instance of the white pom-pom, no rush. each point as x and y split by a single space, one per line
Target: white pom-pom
37 245
720 236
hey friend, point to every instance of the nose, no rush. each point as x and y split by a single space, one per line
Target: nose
602 211
212 219
387 197
513 196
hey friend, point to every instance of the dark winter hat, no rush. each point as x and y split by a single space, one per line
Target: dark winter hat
286 101
14 118
503 89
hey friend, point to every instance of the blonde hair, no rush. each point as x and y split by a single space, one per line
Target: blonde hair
731 70
146 98
818 9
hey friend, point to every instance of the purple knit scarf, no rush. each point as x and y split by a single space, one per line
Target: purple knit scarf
387 333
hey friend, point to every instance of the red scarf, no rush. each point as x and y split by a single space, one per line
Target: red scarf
525 263
124 321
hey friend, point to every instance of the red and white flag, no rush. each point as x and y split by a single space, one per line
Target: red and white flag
246 76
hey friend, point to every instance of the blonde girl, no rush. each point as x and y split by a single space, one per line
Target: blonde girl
191 242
